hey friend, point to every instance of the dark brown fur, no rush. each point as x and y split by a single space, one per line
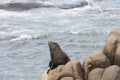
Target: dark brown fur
58 56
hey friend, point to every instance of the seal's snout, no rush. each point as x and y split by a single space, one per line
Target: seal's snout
50 43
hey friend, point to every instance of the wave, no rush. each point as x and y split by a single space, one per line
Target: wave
18 6
28 36
88 31
22 37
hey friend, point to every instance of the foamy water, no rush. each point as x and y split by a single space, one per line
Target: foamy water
24 52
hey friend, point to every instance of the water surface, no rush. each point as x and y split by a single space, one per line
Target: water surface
24 52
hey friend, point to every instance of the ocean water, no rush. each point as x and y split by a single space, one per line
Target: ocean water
24 35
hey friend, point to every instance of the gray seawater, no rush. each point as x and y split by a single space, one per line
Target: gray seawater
24 35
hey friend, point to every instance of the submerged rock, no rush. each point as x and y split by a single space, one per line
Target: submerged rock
75 5
19 6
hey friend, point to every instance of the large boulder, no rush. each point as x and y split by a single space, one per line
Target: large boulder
71 71
112 47
96 74
110 73
55 73
96 60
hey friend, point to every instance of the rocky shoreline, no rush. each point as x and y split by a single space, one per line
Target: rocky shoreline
101 65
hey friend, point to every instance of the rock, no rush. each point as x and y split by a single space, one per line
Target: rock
110 73
71 71
96 60
67 78
19 6
1 6
117 55
74 5
112 47
55 73
96 74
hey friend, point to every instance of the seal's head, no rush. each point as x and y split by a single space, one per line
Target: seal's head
53 46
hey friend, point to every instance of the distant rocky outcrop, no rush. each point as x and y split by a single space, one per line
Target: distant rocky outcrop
19 6
74 5
101 65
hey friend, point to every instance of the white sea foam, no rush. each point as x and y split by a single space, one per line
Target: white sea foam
110 5
10 14
22 79
23 36
23 1
88 31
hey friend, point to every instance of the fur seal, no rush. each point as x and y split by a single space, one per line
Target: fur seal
58 56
